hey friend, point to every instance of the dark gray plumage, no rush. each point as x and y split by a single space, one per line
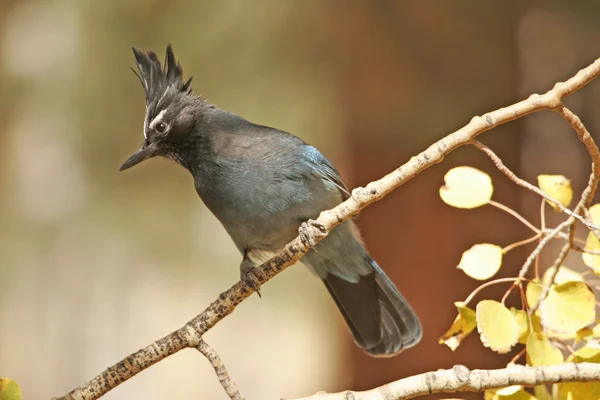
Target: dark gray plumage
262 183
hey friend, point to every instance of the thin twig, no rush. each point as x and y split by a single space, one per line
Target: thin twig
222 374
190 334
516 283
521 243
525 306
560 259
519 355
563 236
514 214
543 214
584 136
588 215
504 169
490 283
540 247
542 228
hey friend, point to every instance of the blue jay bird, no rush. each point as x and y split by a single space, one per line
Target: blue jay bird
262 184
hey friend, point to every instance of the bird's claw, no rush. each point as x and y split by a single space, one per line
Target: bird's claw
305 233
248 276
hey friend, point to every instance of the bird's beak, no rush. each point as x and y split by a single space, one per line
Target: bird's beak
146 151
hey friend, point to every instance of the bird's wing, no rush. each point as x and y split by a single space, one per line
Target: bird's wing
325 170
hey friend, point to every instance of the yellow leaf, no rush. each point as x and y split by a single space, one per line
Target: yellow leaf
591 340
568 308
542 393
558 187
561 336
591 260
514 395
481 261
490 395
564 275
466 187
595 213
9 390
508 391
533 292
463 325
583 334
592 243
523 321
585 354
497 326
540 351
578 391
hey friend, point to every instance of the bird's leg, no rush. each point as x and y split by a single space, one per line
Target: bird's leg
306 234
247 273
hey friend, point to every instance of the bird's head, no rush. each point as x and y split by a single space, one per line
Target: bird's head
172 110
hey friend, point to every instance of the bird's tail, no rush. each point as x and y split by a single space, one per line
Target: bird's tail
380 319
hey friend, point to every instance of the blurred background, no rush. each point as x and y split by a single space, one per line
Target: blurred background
95 264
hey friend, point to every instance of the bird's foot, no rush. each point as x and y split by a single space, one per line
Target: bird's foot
307 235
248 275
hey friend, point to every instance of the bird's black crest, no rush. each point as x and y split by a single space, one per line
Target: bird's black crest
157 79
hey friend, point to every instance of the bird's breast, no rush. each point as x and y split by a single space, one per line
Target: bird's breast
259 210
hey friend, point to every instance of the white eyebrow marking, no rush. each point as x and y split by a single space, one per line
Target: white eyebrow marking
163 95
157 119
146 124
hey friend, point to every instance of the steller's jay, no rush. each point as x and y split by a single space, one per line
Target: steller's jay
262 184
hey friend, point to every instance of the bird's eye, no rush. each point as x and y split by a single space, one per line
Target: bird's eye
161 127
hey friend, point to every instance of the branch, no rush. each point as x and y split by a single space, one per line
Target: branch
191 334
523 183
461 379
222 374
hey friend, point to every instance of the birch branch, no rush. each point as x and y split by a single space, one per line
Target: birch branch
461 379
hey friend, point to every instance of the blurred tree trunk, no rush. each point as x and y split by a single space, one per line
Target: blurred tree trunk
409 73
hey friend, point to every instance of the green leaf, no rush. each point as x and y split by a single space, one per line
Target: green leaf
540 351
497 326
9 390
568 308
463 325
482 261
466 187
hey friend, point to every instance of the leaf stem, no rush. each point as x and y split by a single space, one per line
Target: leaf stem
521 243
490 283
514 214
